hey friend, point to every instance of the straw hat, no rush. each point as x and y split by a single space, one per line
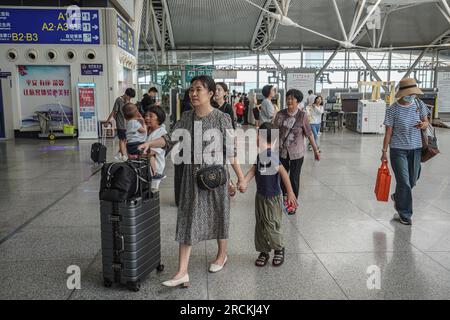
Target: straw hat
406 87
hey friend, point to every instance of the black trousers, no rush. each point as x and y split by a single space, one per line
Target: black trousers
177 183
294 168
246 115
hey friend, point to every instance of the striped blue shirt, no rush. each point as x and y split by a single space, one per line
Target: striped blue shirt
402 119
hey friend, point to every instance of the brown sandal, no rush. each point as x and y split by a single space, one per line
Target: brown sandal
278 258
262 259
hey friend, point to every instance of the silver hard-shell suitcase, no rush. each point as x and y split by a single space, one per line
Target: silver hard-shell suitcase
131 239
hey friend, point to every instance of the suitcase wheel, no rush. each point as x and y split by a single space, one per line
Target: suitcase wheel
134 286
107 283
160 268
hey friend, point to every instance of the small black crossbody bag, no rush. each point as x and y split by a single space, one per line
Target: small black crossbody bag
209 177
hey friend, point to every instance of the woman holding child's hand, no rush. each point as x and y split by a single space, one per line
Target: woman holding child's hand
202 214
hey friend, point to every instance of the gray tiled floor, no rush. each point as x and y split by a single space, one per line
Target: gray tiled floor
339 231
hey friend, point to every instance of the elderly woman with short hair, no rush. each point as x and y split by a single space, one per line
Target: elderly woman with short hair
294 128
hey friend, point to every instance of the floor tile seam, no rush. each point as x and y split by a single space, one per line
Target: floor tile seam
436 207
408 241
39 260
286 253
344 198
348 185
321 262
87 269
35 228
349 201
363 211
360 252
420 219
71 256
26 223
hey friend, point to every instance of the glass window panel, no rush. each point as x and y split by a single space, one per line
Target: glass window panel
180 57
204 57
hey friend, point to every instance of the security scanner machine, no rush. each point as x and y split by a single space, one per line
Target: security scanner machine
333 97
370 116
350 101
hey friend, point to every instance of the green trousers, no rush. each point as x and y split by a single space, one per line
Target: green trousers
269 214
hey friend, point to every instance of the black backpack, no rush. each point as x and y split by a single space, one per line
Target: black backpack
122 181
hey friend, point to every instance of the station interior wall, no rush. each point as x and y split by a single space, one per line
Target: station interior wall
108 53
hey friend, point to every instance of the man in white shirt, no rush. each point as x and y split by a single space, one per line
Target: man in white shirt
301 106
311 97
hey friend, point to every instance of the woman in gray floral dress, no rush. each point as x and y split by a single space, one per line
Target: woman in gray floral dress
202 215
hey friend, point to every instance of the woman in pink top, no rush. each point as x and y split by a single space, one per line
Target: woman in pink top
294 128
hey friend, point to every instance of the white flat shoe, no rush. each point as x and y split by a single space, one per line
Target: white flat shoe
183 281
213 268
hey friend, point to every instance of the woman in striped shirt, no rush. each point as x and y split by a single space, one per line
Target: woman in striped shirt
404 121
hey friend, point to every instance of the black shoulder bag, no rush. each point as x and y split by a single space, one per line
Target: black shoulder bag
209 177
429 140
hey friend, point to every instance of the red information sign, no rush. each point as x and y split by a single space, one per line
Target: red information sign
86 99
87 115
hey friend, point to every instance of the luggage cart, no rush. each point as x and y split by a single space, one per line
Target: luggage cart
50 131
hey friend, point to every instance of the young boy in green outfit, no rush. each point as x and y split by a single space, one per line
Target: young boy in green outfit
268 203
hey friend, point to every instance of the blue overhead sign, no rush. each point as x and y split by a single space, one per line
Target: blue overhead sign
48 26
125 36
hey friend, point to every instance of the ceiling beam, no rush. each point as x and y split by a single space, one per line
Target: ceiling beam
441 39
162 24
168 24
267 26
145 27
363 23
444 2
372 71
277 63
359 9
325 66
444 13
383 27
341 24
372 44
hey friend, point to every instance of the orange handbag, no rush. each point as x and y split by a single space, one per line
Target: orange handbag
383 184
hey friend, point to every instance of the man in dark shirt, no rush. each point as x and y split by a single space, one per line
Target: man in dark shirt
149 99
121 125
